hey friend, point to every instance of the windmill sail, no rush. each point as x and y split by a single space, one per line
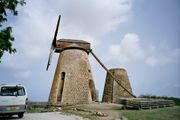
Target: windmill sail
53 45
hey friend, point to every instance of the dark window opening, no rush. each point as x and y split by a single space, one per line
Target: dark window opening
62 75
62 78
12 91
61 86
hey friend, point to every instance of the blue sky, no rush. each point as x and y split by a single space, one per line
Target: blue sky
141 36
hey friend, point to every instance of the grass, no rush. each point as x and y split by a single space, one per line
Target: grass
35 109
172 113
38 109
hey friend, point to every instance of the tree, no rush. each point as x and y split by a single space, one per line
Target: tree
6 38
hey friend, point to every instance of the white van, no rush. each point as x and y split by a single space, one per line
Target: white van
13 99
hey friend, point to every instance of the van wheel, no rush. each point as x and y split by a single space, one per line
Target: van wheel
20 115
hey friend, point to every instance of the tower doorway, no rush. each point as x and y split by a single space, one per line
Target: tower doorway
61 87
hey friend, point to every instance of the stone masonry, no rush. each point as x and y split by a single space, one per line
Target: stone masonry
112 91
73 82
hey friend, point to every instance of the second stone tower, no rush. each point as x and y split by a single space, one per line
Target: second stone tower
112 90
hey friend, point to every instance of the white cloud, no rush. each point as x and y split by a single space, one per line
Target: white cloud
130 50
94 17
35 25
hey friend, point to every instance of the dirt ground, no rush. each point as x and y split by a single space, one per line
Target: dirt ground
43 116
101 111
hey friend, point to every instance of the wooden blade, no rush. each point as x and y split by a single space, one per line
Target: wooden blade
56 31
53 45
50 57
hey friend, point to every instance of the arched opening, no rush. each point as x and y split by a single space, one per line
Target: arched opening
61 87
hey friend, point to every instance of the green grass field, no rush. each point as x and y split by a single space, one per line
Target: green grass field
171 113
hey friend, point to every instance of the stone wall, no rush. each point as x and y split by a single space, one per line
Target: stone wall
112 91
73 82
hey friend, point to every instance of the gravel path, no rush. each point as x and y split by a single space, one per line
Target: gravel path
50 116
45 116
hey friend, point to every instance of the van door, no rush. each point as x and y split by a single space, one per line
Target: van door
12 95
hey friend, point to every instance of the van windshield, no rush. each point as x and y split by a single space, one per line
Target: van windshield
12 91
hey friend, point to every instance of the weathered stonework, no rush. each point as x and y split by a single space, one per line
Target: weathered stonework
73 82
112 91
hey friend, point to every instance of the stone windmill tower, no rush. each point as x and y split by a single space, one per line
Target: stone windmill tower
112 91
73 82
116 80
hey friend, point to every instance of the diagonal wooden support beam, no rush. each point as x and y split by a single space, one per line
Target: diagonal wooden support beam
115 78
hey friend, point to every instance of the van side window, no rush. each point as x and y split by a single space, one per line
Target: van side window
12 91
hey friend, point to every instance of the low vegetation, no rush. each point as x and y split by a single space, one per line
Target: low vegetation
170 113
35 107
176 100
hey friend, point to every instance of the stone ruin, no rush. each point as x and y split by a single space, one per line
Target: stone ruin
112 91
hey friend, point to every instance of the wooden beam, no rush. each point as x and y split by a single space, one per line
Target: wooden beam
115 78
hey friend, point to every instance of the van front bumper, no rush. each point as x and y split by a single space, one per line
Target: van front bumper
13 109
